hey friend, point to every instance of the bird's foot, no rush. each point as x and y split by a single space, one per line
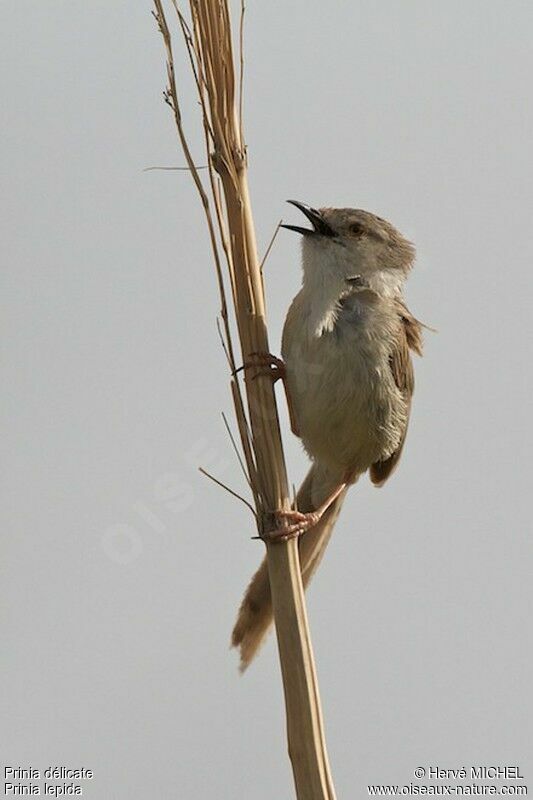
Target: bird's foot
290 525
265 364
293 523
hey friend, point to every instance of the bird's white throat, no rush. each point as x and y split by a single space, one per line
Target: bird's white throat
327 270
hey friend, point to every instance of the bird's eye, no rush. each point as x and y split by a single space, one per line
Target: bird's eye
357 229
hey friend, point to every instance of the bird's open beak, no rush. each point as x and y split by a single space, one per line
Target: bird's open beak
316 219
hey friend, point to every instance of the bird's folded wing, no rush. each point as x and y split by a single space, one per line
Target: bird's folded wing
409 338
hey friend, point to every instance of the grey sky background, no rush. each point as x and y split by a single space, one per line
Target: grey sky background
122 568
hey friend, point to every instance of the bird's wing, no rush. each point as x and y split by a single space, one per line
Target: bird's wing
409 338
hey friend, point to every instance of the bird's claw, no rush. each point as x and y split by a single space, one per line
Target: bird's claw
290 525
274 366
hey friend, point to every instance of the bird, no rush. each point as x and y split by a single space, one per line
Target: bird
348 374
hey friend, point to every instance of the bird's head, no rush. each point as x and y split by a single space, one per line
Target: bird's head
348 242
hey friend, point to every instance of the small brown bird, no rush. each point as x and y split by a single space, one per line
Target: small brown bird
349 379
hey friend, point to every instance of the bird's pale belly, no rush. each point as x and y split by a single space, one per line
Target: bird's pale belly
349 411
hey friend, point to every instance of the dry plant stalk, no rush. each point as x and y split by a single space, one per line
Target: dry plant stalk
226 202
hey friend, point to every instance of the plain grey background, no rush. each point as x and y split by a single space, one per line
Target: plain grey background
122 568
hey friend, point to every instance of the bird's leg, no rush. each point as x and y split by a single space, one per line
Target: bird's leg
295 523
274 368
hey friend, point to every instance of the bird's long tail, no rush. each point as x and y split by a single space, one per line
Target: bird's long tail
255 614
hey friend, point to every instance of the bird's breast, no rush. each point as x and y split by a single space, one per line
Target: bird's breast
348 409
